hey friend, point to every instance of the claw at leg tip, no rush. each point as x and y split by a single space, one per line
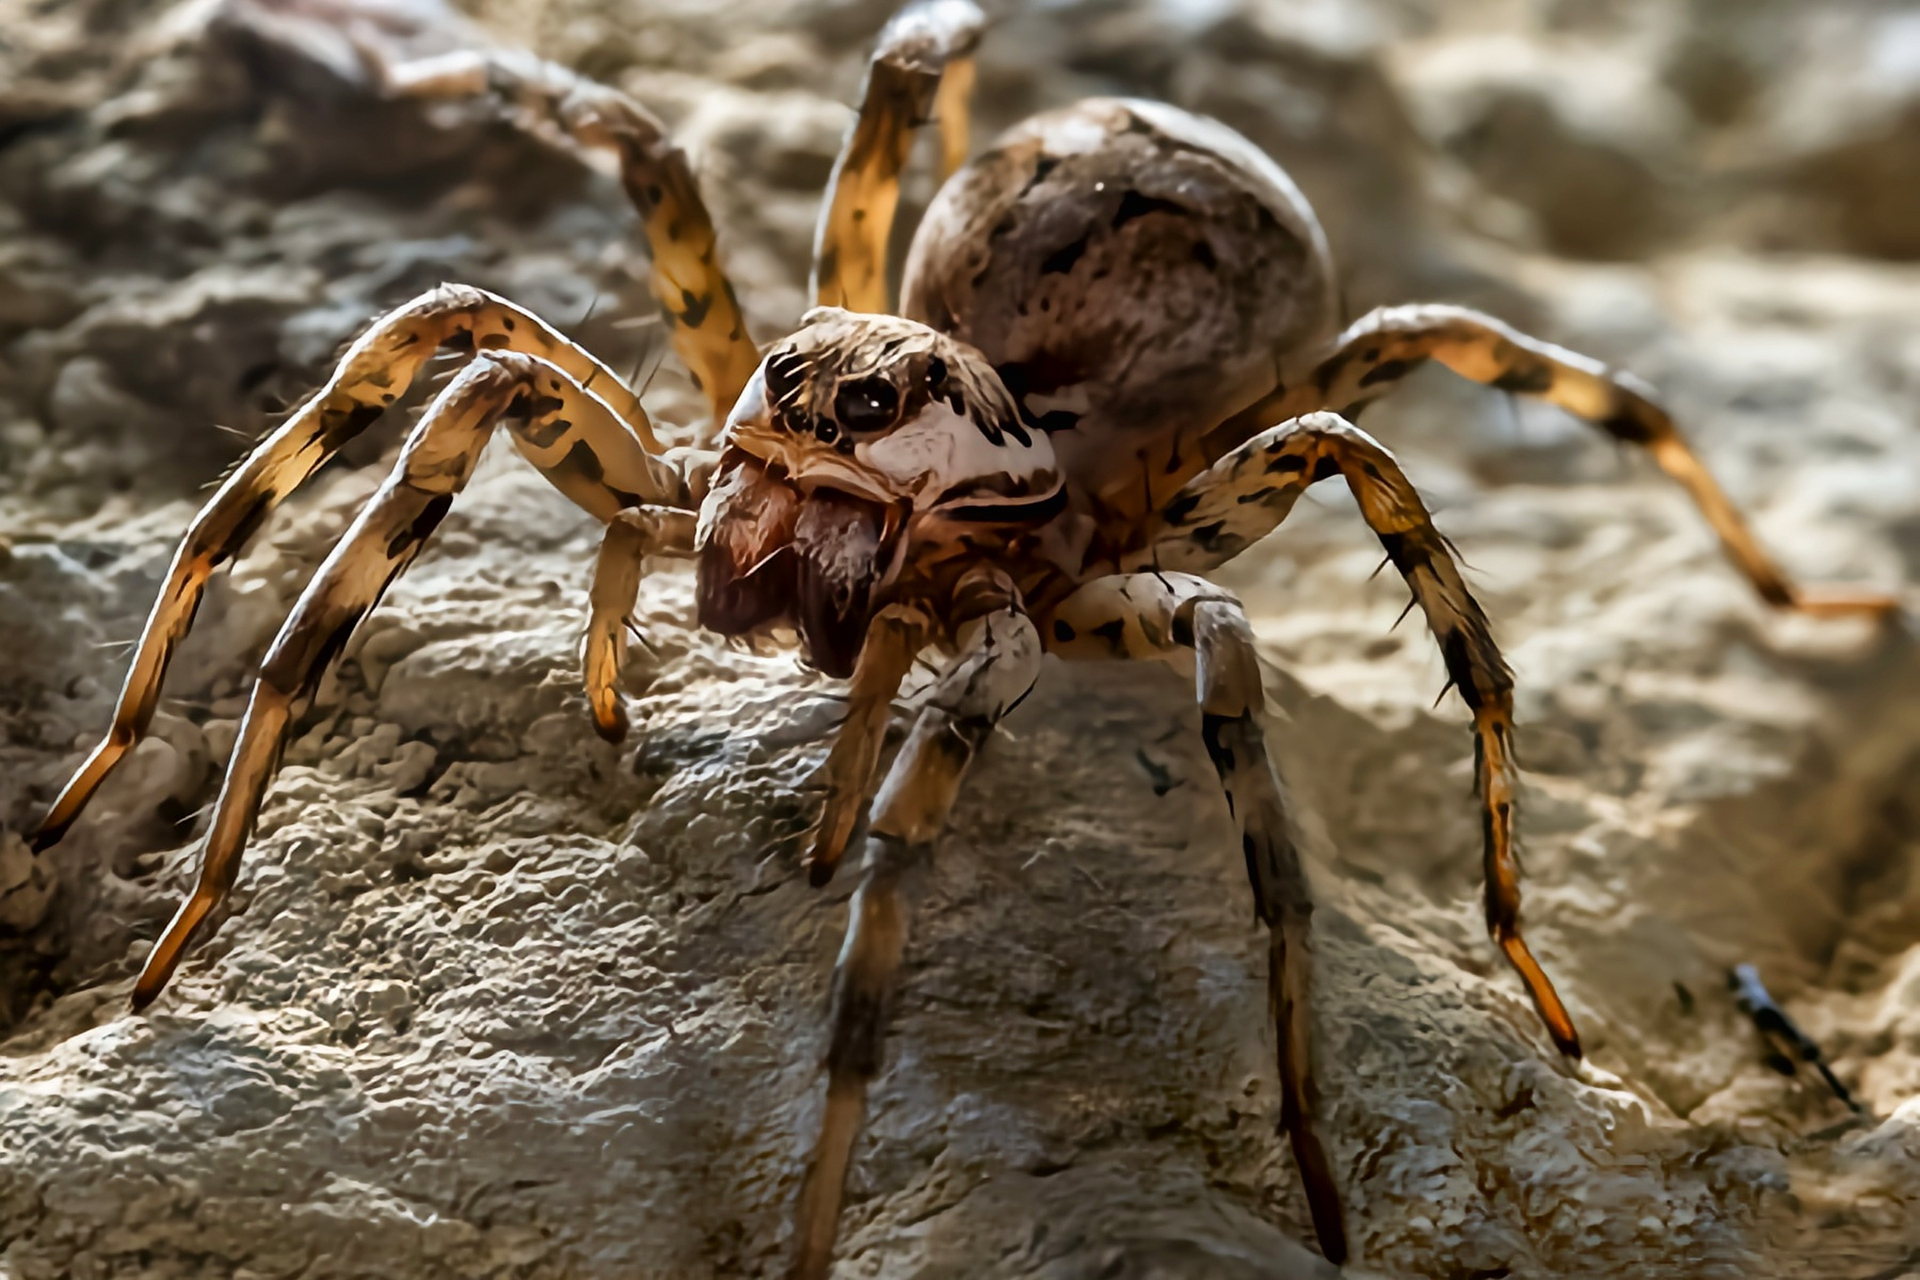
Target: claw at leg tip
613 727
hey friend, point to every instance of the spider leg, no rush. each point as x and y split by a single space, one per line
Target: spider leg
632 535
1183 619
953 113
894 639
1248 492
376 371
904 89
1000 657
709 329
542 404
1382 347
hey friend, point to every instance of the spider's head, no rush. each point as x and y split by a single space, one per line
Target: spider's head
861 440
890 411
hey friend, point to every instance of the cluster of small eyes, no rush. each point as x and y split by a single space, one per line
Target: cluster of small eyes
825 430
861 406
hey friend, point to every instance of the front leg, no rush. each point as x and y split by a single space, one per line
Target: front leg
544 408
376 371
1000 657
1180 619
1246 494
893 641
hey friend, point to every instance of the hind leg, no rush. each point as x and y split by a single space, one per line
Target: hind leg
1381 348
922 68
709 330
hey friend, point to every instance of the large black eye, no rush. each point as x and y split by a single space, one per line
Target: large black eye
866 404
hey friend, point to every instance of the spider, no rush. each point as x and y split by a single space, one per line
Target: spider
1116 364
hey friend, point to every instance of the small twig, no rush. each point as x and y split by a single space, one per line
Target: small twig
1786 1040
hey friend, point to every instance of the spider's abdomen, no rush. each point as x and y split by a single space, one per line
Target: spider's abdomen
1134 273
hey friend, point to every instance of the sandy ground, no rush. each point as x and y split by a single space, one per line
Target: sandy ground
500 1000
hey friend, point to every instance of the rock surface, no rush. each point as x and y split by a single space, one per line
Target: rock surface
500 1000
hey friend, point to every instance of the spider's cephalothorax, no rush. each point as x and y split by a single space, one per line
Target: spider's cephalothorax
1122 367
868 460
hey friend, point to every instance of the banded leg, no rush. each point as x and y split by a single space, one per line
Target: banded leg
376 371
904 90
1000 656
1247 493
1366 361
953 114
893 640
1175 617
540 401
709 329
632 535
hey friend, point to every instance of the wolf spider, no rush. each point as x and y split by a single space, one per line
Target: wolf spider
1117 363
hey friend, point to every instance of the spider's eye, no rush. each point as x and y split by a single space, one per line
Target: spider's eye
784 374
866 404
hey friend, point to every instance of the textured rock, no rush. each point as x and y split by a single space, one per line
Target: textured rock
500 1000
1621 129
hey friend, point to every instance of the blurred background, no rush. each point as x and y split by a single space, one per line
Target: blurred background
503 1001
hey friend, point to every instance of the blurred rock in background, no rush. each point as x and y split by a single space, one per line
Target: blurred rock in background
500 1000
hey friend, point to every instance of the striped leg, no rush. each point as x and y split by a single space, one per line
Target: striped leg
632 535
1000 656
1247 493
542 405
1177 617
375 372
904 89
953 114
894 639
1378 350
709 330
